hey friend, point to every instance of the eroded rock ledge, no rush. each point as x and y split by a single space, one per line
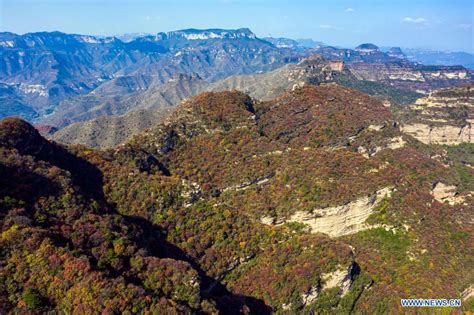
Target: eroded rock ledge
443 117
341 220
446 134
341 278
448 193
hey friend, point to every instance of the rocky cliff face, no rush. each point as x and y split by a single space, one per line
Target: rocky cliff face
313 70
405 75
443 117
342 220
194 34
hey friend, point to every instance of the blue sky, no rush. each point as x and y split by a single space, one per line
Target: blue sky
439 24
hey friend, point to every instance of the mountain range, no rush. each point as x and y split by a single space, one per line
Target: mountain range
45 69
57 79
435 57
314 70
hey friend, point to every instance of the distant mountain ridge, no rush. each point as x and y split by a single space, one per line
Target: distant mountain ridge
57 79
47 68
216 33
436 57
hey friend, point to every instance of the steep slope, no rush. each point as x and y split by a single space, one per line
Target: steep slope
312 202
443 117
94 105
314 70
263 86
65 249
266 86
109 131
46 68
13 105
324 161
57 79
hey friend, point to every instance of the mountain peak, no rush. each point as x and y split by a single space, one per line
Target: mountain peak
367 47
16 133
396 52
196 34
224 108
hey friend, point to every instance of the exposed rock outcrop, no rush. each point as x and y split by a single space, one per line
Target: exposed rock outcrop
191 193
468 293
246 185
393 144
447 134
444 117
342 220
341 278
447 193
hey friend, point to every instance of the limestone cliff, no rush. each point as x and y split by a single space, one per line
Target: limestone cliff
340 220
405 75
443 117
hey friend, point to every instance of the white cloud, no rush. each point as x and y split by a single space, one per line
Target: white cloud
418 20
330 27
464 26
350 10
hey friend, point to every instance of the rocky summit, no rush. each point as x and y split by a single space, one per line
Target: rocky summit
314 201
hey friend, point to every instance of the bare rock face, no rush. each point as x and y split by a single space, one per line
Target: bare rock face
403 74
442 191
342 220
311 295
468 293
448 193
392 143
341 278
447 134
444 117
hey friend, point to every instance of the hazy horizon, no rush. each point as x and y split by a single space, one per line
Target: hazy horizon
439 25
